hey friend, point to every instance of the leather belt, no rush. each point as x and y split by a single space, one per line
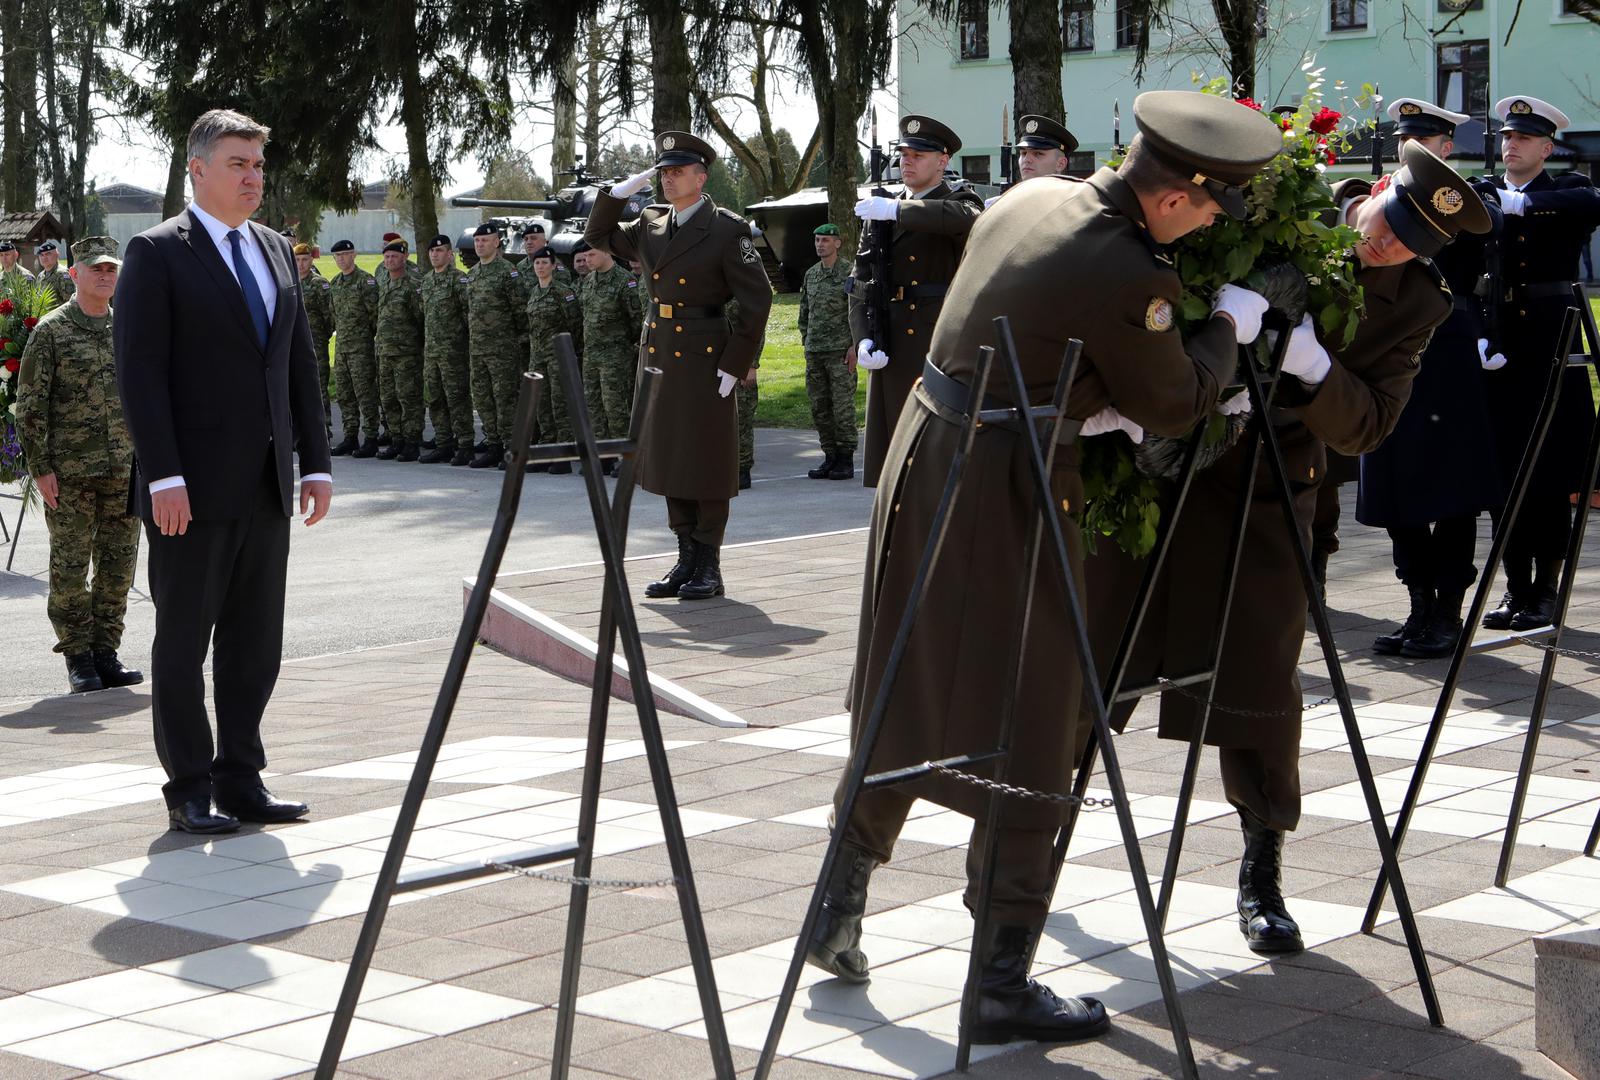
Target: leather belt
1544 290
683 311
920 292
952 393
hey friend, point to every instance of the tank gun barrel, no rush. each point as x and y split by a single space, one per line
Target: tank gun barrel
546 205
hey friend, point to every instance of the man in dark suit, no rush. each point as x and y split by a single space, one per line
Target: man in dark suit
219 384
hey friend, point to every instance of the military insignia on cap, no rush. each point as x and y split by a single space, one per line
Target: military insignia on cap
913 126
1033 125
1158 316
668 143
1521 108
1411 108
1448 201
747 250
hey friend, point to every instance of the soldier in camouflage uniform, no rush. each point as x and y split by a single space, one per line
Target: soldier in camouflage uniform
11 275
397 336
70 423
317 296
612 314
553 309
830 370
748 395
52 273
497 335
355 369
444 355
534 240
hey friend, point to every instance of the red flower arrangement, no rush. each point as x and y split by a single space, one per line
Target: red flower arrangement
7 307
1325 121
30 322
1249 103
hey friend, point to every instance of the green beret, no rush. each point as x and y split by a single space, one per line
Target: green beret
830 229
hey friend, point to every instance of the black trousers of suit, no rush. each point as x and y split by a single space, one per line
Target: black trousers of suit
1437 556
220 586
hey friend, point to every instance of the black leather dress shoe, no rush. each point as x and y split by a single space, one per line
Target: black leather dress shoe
112 671
195 816
259 804
1010 1005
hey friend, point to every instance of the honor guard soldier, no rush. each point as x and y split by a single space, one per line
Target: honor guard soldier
553 309
355 365
1431 513
695 257
398 339
1061 259
1344 397
1043 148
70 424
1548 220
444 355
497 335
931 221
51 272
11 274
830 365
317 296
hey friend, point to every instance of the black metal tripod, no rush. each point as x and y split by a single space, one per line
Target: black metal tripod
616 619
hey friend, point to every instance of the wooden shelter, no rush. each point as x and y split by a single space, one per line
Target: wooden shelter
30 228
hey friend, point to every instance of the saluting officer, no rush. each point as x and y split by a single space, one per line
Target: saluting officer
1344 397
1548 220
51 272
695 257
1431 513
1043 148
1062 259
931 221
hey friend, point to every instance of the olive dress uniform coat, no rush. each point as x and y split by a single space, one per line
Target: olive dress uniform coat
1353 410
691 443
929 237
1062 259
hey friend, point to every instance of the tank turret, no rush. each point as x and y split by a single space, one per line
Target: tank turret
563 214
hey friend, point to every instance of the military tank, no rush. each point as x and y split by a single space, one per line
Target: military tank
563 215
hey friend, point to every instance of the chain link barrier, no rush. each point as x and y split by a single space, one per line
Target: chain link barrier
574 879
1575 654
1088 802
1259 714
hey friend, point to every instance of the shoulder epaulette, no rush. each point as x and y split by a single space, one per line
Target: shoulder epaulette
724 211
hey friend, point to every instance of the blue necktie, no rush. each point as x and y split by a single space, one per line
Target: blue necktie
252 291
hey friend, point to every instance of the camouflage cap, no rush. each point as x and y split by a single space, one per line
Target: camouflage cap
828 229
94 250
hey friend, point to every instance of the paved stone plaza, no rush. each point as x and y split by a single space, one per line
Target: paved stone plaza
132 952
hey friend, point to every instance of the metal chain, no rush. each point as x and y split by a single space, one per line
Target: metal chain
1088 802
574 879
1576 654
1260 714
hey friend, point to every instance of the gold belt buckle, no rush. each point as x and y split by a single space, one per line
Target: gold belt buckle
666 310
899 294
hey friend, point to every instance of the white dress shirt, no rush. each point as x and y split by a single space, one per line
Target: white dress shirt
680 216
256 259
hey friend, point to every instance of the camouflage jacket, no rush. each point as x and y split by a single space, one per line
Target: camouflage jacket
69 417
496 307
399 322
551 311
317 294
825 308
355 308
9 279
611 309
59 280
444 310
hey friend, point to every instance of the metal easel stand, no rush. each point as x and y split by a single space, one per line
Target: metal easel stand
1263 444
11 535
1577 315
616 619
1048 537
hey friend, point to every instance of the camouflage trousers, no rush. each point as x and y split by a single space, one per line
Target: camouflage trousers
400 380
506 368
91 523
355 379
831 386
444 374
481 382
748 397
319 350
555 424
608 374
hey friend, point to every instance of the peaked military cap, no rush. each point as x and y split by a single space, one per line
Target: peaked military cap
486 229
827 229
532 227
95 250
1220 144
926 133
439 241
48 245
1531 116
682 148
397 244
7 245
1043 133
1413 116
342 245
302 249
1429 202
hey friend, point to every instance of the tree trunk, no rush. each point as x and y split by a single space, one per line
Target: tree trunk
177 173
670 73
840 103
77 197
563 146
1035 60
57 137
34 17
1237 21
11 34
593 101
413 114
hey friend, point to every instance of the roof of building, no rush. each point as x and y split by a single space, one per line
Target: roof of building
31 226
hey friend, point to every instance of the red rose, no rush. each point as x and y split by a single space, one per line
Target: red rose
1333 159
4 341
30 322
1249 103
1325 121
7 307
13 364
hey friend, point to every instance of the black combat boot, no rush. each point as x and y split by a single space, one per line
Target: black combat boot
1540 610
111 670
347 446
440 453
480 446
681 571
383 437
489 457
1421 608
744 479
844 467
608 466
1263 918
81 675
390 450
707 580
1518 589
1443 631
821 471
410 452
429 444
462 456
1010 1005
366 449
561 468
836 940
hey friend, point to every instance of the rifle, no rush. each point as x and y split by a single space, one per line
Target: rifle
1007 157
1377 134
874 267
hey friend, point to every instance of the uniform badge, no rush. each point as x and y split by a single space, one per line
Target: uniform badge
633 284
1448 201
668 143
913 126
1521 108
571 296
513 273
1158 316
747 250
1033 125
1411 108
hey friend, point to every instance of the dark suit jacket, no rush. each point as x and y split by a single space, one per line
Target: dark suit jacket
201 398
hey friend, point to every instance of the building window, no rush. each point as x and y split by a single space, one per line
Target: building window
1127 26
1451 7
1347 14
1080 163
1077 25
1464 77
972 21
1579 9
975 168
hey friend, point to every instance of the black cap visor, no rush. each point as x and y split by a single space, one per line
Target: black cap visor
669 158
1411 223
927 146
1229 196
1530 124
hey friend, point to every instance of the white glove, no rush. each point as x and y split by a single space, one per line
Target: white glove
990 201
725 387
1244 307
1233 406
1490 363
870 358
633 184
1108 420
878 208
1306 359
1513 202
